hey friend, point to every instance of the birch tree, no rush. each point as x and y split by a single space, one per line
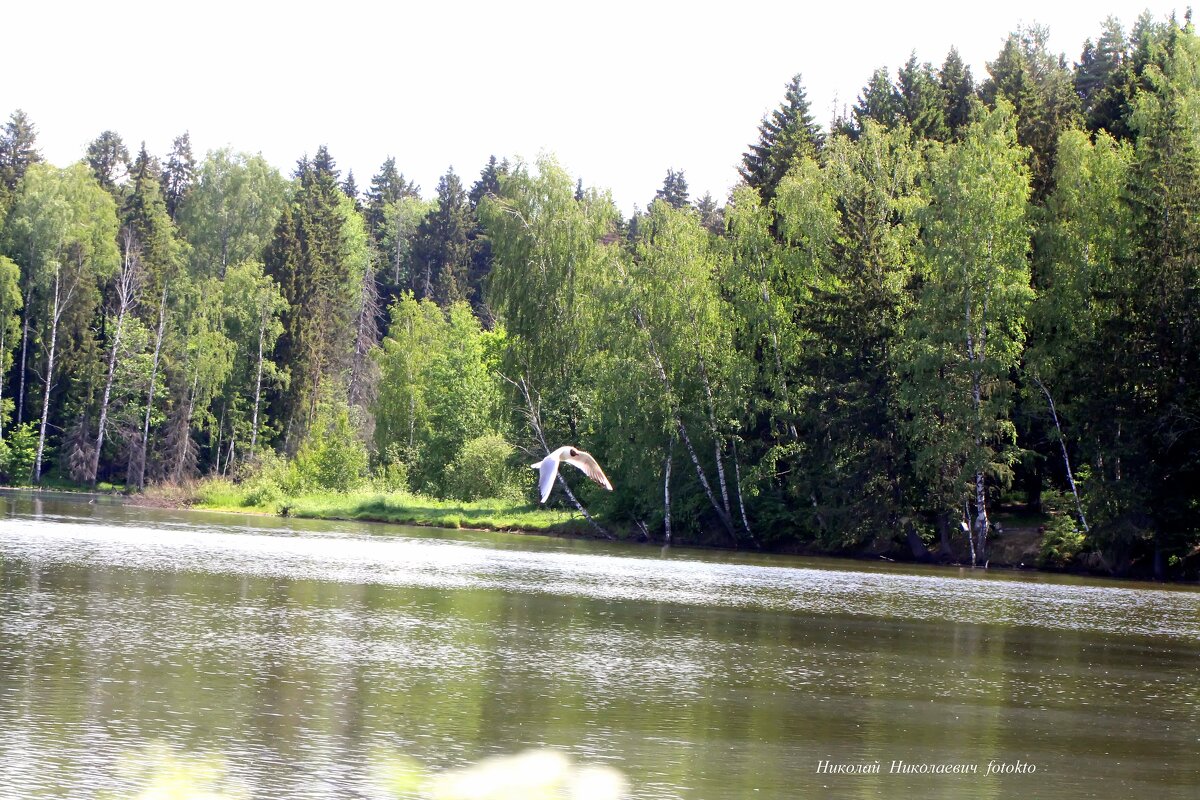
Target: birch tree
127 287
967 330
63 228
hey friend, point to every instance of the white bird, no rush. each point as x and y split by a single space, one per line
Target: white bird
548 468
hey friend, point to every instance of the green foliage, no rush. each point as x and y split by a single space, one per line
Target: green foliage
17 452
332 458
484 469
865 337
789 133
438 390
1061 543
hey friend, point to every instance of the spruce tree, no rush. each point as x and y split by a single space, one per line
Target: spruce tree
108 158
387 187
442 250
958 91
489 181
922 101
674 191
317 257
787 134
1042 91
179 174
18 148
879 101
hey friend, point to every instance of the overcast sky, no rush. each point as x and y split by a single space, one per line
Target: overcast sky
620 91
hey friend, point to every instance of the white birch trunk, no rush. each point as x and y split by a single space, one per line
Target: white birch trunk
683 434
262 332
1066 459
667 494
60 303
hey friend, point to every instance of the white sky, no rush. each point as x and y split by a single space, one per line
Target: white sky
618 90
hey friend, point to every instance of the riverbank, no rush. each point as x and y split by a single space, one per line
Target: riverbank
402 508
1021 542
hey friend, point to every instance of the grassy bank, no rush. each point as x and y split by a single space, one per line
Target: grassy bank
397 507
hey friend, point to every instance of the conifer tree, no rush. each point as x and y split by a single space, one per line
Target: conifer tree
108 158
179 174
442 250
879 101
18 149
489 181
958 91
318 257
674 191
922 101
1041 89
790 132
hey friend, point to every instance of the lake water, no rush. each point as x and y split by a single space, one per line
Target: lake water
302 655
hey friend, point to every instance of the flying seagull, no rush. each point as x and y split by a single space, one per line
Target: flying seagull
548 468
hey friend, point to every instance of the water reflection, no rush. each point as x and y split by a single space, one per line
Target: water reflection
302 652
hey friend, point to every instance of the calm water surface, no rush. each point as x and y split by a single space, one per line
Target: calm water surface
305 654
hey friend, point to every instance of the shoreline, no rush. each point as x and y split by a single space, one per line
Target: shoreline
574 526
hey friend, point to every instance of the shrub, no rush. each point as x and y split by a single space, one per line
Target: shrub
1061 542
332 457
483 469
391 475
18 452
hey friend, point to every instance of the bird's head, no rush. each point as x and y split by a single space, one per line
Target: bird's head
574 452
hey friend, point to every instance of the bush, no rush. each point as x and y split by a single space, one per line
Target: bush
18 452
483 469
1061 542
332 457
391 475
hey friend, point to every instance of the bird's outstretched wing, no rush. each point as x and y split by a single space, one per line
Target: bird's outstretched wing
590 468
547 471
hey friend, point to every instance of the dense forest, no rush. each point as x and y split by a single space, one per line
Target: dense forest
964 290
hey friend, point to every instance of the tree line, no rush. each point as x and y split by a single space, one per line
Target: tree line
960 291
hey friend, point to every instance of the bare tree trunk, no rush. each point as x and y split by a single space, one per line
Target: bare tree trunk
162 317
220 439
3 331
981 518
364 371
60 304
128 284
783 385
1066 459
737 475
262 332
717 438
667 493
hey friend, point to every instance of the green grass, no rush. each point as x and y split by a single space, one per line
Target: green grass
396 507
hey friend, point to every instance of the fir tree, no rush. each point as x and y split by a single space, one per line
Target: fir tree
442 251
787 134
179 175
489 181
387 187
350 189
922 101
109 160
18 148
674 190
958 92
879 101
